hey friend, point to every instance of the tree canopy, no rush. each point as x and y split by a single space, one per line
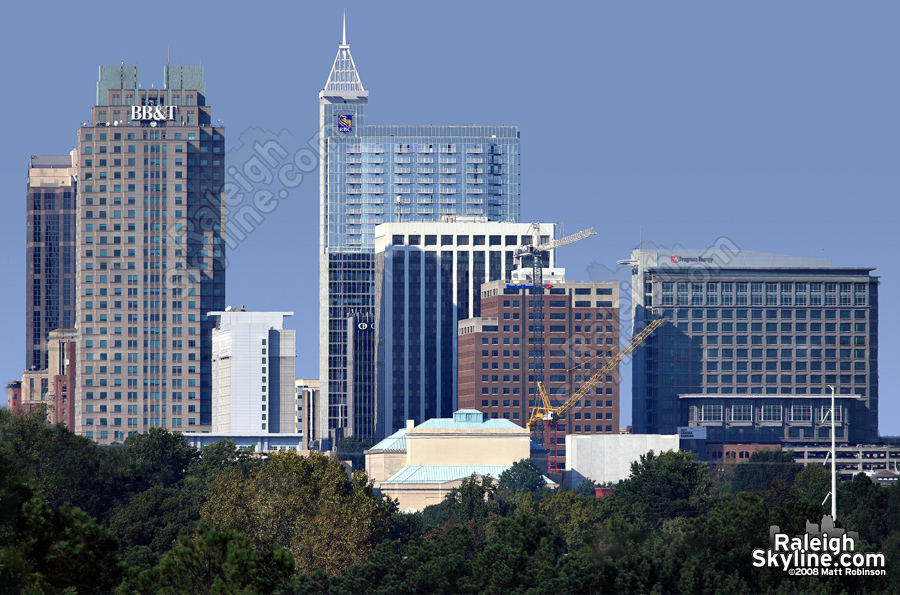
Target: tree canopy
76 517
524 476
763 469
306 505
663 487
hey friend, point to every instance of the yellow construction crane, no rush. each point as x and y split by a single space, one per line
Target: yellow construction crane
545 412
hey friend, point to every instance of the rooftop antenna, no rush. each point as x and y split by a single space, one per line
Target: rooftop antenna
642 238
168 54
344 38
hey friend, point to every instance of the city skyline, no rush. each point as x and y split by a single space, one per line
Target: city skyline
785 149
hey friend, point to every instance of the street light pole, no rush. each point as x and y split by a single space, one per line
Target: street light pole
833 463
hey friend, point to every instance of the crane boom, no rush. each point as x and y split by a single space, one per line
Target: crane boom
571 239
587 386
546 412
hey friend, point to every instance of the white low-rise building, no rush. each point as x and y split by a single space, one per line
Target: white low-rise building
608 457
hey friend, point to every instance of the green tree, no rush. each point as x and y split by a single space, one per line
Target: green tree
726 538
474 500
520 556
813 482
65 467
587 488
890 547
792 516
154 518
577 517
306 505
158 457
523 476
405 526
661 487
441 565
221 562
864 506
215 459
353 449
46 550
763 468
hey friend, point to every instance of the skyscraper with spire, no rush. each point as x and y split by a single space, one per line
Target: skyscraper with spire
381 174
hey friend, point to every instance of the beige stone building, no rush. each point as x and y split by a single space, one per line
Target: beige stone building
419 465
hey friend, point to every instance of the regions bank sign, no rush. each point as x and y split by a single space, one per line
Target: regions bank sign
153 113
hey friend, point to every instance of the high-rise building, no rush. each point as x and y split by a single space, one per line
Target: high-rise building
752 324
253 361
429 276
379 174
307 397
49 252
150 254
496 359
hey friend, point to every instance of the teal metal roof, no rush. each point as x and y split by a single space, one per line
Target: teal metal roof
449 424
443 473
394 442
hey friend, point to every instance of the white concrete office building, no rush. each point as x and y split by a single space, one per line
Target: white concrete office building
253 359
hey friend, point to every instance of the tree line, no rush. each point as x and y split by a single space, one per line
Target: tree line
155 515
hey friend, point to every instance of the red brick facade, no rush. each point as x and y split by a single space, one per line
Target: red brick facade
581 334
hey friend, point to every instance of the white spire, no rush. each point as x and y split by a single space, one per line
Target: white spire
343 81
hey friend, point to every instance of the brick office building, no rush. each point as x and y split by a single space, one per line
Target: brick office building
581 333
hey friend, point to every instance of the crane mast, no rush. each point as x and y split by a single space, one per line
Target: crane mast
536 251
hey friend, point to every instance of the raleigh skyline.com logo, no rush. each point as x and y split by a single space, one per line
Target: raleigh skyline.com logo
825 550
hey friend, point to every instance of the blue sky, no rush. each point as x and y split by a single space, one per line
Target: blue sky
773 124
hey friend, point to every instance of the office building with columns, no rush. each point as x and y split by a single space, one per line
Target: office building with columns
430 276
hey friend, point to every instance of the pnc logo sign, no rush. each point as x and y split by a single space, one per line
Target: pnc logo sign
153 112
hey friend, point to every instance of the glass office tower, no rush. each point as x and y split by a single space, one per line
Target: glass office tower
782 328
428 278
49 253
380 174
